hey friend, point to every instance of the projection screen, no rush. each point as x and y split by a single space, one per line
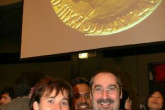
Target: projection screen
62 26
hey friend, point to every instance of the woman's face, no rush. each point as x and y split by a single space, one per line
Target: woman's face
155 101
128 104
52 102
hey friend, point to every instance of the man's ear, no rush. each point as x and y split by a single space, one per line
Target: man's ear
121 94
91 94
35 105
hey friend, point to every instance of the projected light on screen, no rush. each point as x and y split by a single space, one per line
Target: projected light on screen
103 17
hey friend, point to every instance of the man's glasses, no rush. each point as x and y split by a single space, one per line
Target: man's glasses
110 89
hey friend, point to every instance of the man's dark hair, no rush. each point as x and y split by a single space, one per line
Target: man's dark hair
80 80
47 85
8 90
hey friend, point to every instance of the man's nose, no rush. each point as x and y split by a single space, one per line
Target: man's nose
83 99
104 94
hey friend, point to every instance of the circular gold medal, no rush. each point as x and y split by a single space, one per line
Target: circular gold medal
103 17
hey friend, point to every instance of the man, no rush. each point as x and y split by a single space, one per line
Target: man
50 94
106 91
81 99
7 94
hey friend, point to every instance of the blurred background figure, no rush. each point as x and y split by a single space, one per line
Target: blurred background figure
156 100
50 94
22 88
125 101
81 97
7 95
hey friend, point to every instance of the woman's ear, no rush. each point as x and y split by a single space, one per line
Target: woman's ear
35 105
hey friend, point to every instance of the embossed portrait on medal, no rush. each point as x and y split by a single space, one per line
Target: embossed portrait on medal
103 17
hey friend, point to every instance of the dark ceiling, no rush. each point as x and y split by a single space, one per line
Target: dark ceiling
10 20
10 31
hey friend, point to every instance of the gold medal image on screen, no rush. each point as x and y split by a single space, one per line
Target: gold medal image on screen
103 17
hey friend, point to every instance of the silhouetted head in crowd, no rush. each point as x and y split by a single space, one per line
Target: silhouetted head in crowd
25 83
81 97
156 100
51 94
106 91
125 102
7 94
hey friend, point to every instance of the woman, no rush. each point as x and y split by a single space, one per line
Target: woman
125 102
156 100
50 94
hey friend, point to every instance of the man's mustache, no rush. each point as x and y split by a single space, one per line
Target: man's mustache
83 104
109 101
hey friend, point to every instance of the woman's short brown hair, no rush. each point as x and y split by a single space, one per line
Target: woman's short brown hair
48 85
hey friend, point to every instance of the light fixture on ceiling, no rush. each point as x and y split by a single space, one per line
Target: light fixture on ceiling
86 55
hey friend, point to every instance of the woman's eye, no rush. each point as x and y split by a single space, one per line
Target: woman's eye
64 103
159 97
51 101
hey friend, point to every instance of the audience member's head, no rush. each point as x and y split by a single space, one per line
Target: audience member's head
125 102
25 82
156 100
7 94
106 91
50 94
81 97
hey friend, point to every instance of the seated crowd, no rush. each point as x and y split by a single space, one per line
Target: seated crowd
103 92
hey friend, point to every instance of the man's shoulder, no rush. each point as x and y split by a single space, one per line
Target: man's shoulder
16 104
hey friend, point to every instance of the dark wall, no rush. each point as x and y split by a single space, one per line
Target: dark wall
133 70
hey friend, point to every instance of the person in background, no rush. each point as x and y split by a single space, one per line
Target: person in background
81 97
125 101
7 95
51 94
106 91
22 89
156 100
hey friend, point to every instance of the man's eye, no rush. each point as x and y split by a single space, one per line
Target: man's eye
77 96
51 101
64 103
87 96
110 89
98 89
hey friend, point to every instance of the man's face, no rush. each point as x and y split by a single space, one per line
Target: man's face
105 92
82 100
155 101
5 98
52 102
